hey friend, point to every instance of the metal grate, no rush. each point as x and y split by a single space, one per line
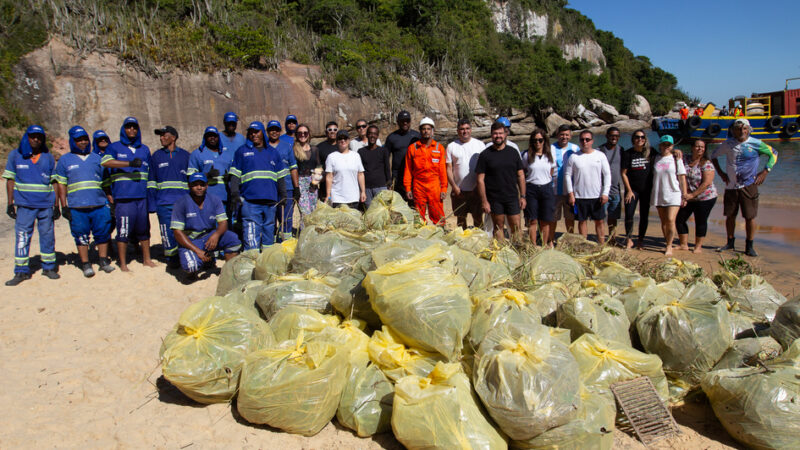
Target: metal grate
649 417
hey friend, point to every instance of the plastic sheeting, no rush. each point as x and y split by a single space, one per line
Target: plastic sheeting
785 328
237 271
309 290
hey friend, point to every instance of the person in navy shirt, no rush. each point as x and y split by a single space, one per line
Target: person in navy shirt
291 126
230 140
79 188
32 201
167 183
129 161
256 183
201 227
211 160
285 211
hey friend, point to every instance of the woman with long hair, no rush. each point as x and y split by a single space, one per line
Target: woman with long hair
700 198
540 196
308 163
669 188
637 176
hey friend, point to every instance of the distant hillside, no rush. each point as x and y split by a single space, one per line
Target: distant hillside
527 54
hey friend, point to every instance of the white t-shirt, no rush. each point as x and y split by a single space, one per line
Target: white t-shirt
356 144
539 172
464 157
666 187
345 168
587 175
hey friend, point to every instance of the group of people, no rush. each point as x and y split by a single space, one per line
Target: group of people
239 191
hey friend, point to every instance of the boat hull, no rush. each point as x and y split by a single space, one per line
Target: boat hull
716 129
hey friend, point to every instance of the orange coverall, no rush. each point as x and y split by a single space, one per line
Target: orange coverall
426 178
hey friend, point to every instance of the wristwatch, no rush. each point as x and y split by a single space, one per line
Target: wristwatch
768 169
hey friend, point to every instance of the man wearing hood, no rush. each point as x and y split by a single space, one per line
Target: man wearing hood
210 160
32 200
257 183
229 139
285 211
79 178
129 162
291 126
167 183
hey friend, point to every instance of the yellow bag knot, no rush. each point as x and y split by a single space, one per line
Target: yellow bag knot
289 246
515 296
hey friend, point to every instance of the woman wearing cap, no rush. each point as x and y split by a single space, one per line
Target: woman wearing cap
637 176
308 164
700 199
669 189
344 174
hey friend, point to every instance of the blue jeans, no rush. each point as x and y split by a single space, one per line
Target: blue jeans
228 243
23 228
258 224
164 213
91 221
371 193
614 207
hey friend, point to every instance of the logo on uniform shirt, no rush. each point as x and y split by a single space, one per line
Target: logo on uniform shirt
122 156
191 214
22 166
74 166
208 161
164 164
273 163
248 154
132 148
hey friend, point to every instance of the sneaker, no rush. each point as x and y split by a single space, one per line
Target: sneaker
105 265
52 274
18 278
88 272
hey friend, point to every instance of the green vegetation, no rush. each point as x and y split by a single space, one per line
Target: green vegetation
381 48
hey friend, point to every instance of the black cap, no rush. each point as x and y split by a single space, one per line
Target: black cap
403 115
167 129
342 134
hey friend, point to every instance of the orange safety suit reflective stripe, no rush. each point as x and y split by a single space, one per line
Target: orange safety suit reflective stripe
426 177
684 113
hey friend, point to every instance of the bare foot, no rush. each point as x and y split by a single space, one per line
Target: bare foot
668 251
124 268
697 250
683 247
640 245
149 263
629 243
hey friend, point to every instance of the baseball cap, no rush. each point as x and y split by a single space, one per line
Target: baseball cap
100 134
197 176
77 131
290 118
34 129
210 130
166 129
666 139
256 125
403 115
230 116
744 122
274 124
130 121
342 134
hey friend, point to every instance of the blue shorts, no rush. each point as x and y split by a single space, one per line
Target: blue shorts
95 221
133 220
614 207
228 243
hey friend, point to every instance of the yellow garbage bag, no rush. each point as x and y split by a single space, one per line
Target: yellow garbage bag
274 260
675 269
440 412
341 218
602 315
289 322
203 354
351 300
246 294
331 251
644 293
753 295
527 380
310 290
552 265
389 210
295 385
603 362
616 275
237 271
366 404
349 334
759 406
427 305
473 240
395 359
478 273
785 328
504 255
405 248
547 297
498 306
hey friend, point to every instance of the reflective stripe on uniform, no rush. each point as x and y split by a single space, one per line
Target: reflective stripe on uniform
10 174
129 176
30 187
263 175
83 185
169 185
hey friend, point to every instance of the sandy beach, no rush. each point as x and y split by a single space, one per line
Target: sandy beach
81 360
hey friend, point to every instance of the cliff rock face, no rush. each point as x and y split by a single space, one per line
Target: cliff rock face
98 91
587 50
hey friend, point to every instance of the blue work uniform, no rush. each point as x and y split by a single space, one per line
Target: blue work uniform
199 224
285 211
203 159
259 171
166 184
231 143
82 175
289 139
129 185
34 198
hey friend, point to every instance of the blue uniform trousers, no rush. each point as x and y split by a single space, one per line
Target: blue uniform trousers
258 224
23 228
91 221
164 213
228 243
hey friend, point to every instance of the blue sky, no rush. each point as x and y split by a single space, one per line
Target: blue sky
716 49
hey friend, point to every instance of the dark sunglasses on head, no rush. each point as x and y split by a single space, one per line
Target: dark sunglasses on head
332 130
586 139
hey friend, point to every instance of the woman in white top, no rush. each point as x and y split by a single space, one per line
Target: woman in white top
669 189
344 174
540 196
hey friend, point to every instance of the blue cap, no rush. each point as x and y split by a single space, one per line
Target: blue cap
76 132
34 129
130 120
212 130
290 118
504 120
198 176
100 134
230 116
256 125
274 124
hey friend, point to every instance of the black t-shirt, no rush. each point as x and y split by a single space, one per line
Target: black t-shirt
640 169
501 173
376 166
304 168
397 146
325 148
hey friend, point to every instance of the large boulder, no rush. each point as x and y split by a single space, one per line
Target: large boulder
640 109
586 118
553 121
606 112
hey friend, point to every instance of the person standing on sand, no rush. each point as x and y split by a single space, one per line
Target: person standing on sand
32 200
637 176
308 163
700 199
562 149
229 139
669 189
541 198
290 123
128 161
462 157
425 176
79 178
361 140
285 211
166 183
327 148
507 124
501 183
742 178
587 182
210 160
344 175
377 165
613 152
397 144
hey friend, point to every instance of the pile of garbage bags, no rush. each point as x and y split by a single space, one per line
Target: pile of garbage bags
449 339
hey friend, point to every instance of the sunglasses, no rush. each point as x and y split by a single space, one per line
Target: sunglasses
361 126
302 133
586 139
636 138
342 138
332 130
538 140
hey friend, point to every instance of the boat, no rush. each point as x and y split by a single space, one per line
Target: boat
774 116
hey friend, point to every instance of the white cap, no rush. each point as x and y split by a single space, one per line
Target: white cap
744 122
426 121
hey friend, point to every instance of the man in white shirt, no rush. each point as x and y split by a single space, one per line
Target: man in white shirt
462 156
361 140
562 149
587 181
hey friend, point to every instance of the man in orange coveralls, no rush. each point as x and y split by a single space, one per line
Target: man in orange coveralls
425 177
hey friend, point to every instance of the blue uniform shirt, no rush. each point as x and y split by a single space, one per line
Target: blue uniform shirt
195 222
128 183
287 157
259 171
288 139
83 179
230 144
32 188
561 155
167 178
203 160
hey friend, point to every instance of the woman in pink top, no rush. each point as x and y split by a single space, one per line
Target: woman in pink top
700 198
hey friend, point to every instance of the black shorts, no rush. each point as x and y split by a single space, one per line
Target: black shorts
508 207
589 209
541 202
